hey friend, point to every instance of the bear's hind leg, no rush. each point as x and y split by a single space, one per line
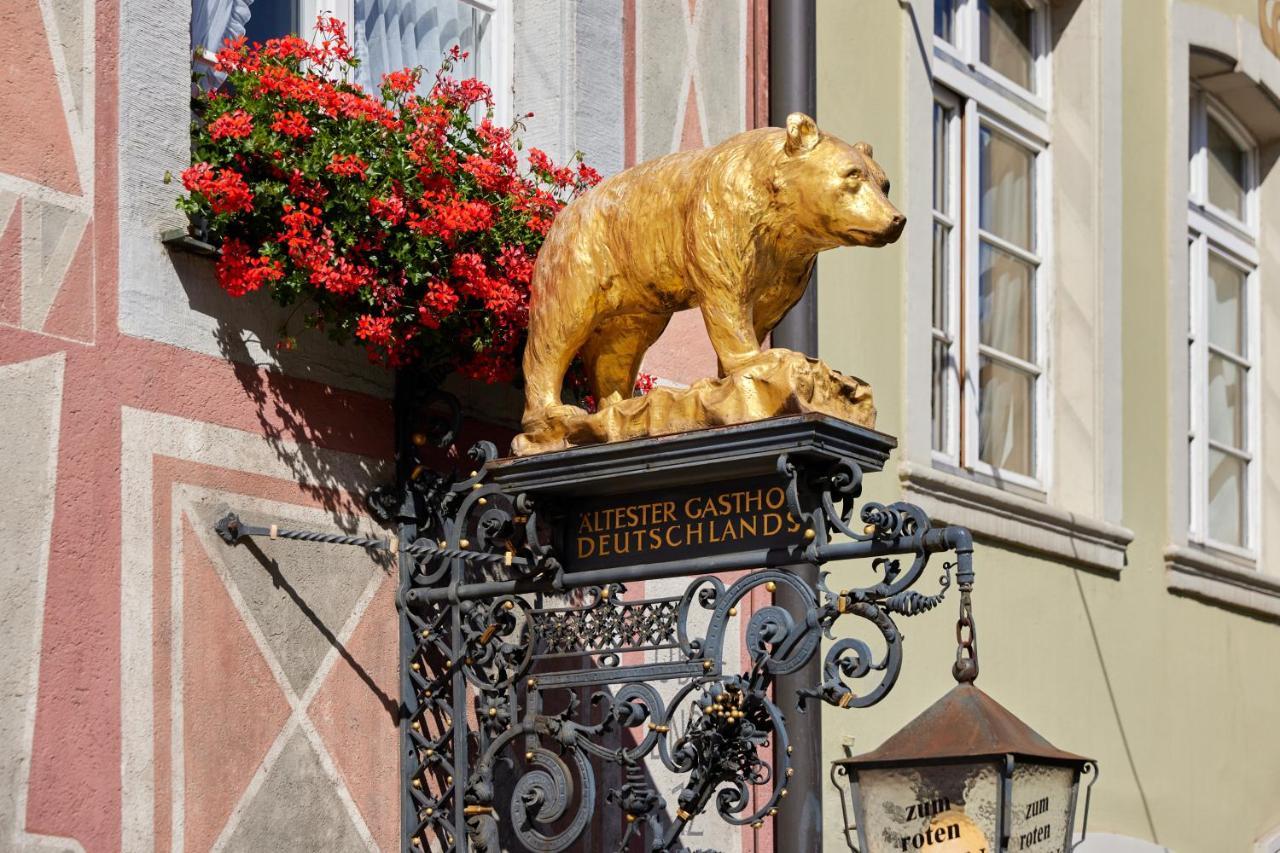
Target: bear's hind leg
613 353
552 344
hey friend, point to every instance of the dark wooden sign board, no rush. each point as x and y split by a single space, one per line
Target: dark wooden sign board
670 524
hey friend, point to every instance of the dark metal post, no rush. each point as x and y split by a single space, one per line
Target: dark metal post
793 87
406 523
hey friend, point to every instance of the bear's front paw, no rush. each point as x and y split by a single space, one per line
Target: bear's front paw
562 413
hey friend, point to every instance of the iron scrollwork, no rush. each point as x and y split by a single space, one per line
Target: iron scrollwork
500 643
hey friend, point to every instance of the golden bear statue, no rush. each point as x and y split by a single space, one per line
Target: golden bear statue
732 230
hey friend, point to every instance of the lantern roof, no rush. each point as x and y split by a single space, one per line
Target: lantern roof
965 723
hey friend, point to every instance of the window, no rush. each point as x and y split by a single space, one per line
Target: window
392 34
989 395
1005 40
1222 338
387 35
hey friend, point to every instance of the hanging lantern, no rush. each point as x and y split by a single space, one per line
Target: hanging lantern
966 776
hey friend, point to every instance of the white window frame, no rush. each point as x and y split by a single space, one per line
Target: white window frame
966 52
1211 230
502 31
982 97
950 332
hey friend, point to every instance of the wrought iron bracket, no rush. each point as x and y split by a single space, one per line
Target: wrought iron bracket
524 673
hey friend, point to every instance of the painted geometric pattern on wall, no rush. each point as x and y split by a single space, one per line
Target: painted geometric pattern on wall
269 668
33 387
47 168
694 79
691 82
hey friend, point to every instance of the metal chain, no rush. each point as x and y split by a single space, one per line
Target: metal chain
966 667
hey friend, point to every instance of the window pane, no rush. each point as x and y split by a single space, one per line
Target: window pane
1006 398
1227 486
271 20
941 263
1191 277
944 20
1006 200
1006 38
213 22
1225 294
1226 401
395 34
941 179
1006 303
941 378
1226 162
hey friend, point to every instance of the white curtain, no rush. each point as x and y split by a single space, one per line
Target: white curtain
212 22
1005 438
395 34
1007 201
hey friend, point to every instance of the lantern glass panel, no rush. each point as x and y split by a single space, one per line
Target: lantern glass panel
941 808
1041 806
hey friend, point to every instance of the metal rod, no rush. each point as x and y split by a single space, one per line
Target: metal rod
931 541
793 87
232 529
407 528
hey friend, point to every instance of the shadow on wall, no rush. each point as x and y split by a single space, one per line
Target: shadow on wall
299 412
286 408
390 703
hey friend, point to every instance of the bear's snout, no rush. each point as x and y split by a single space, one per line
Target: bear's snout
896 224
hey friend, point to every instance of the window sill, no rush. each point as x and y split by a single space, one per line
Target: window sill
1198 573
998 515
180 240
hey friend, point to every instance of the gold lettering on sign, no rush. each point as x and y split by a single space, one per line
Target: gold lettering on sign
1269 24
738 514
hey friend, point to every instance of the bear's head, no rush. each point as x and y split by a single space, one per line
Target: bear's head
832 192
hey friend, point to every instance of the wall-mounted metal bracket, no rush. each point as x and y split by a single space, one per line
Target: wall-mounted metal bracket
502 630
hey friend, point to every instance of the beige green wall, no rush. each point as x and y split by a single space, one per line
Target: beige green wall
1178 698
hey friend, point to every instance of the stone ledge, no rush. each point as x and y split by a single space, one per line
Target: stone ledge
1197 573
1003 517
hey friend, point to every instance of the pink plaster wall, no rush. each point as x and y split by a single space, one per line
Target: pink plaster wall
58 299
158 691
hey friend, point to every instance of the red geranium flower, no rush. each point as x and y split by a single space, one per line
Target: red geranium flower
374 330
224 189
348 166
405 221
402 81
291 123
236 124
240 272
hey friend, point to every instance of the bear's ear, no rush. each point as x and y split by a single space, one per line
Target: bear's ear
864 148
802 133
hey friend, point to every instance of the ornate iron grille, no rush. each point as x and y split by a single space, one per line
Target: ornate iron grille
500 641
495 671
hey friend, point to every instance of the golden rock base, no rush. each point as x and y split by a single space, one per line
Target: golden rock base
775 383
